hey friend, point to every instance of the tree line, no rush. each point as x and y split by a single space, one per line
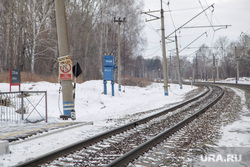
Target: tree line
221 57
29 39
226 54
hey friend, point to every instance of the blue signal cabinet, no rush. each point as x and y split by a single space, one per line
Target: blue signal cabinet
108 61
108 72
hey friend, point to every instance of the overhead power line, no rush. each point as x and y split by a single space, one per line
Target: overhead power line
190 20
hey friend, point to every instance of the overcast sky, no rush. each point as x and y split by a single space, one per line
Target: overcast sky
225 12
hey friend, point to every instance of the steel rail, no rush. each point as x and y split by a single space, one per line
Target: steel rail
135 153
87 142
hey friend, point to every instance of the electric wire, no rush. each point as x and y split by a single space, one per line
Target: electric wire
173 92
177 10
152 28
150 55
171 15
172 20
212 12
156 47
206 15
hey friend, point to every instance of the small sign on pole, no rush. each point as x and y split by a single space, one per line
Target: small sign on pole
77 70
15 78
65 72
65 67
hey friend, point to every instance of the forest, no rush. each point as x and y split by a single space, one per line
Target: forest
28 41
29 38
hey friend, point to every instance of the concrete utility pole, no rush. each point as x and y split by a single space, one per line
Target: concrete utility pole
217 69
237 65
63 45
178 59
119 21
165 76
196 67
213 73
164 58
170 69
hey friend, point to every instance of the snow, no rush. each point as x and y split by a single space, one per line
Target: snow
105 111
242 80
91 106
237 134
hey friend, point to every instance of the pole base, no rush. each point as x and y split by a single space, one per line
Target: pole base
166 92
64 117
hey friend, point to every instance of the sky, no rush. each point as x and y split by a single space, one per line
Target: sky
225 12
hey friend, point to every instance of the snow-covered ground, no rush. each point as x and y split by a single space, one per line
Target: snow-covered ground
237 134
93 106
243 80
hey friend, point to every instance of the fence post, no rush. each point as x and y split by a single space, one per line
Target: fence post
46 112
22 105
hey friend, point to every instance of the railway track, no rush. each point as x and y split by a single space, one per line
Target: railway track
122 145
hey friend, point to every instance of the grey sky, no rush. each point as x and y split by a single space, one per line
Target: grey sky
226 12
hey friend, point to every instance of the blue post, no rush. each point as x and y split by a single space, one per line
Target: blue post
113 90
105 86
180 86
119 88
68 107
166 92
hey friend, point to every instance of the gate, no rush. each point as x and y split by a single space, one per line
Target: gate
25 105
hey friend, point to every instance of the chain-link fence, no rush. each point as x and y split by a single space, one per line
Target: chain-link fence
30 106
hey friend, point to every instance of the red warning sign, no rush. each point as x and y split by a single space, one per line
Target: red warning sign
65 72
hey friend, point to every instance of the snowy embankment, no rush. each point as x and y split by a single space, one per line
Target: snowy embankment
93 105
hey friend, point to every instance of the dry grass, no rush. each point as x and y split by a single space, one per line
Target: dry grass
28 77
132 81
4 77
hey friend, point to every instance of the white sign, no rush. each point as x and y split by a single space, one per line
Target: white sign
65 72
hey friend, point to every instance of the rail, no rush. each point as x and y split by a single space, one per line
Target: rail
133 154
85 143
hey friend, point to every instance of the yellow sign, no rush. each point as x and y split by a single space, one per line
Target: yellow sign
67 61
64 58
65 67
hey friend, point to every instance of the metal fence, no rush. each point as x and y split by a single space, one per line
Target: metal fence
30 106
